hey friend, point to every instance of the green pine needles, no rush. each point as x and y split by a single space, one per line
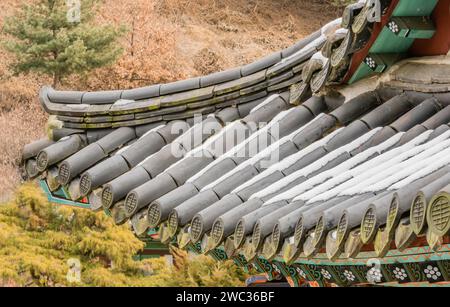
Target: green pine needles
59 38
42 244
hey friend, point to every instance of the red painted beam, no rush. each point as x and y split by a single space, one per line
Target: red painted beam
359 56
440 43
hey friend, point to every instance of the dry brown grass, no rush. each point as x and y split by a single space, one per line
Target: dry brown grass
175 39
168 40
22 125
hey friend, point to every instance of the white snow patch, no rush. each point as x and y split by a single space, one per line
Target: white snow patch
146 159
233 151
223 133
150 131
347 179
320 57
333 24
341 31
366 154
257 178
122 150
123 102
403 165
421 173
291 160
267 152
264 103
308 184
77 106
403 152
412 170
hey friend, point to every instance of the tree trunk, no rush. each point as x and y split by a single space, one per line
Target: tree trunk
56 80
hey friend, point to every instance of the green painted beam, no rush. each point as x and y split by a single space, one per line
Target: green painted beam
414 8
362 72
388 42
412 27
380 62
61 201
376 63
152 231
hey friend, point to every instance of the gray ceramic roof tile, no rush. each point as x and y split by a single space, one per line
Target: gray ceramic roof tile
59 151
187 97
102 97
138 122
116 139
141 93
356 107
59 133
120 118
118 188
279 79
159 179
440 118
189 114
160 112
220 77
143 195
65 97
417 115
72 119
388 112
188 167
96 119
32 150
142 148
284 84
79 162
130 106
261 64
301 44
239 84
160 208
85 126
179 86
102 172
290 62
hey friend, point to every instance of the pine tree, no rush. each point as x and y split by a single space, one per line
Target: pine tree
42 244
59 38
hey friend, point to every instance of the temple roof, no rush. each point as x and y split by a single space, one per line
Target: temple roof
335 145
